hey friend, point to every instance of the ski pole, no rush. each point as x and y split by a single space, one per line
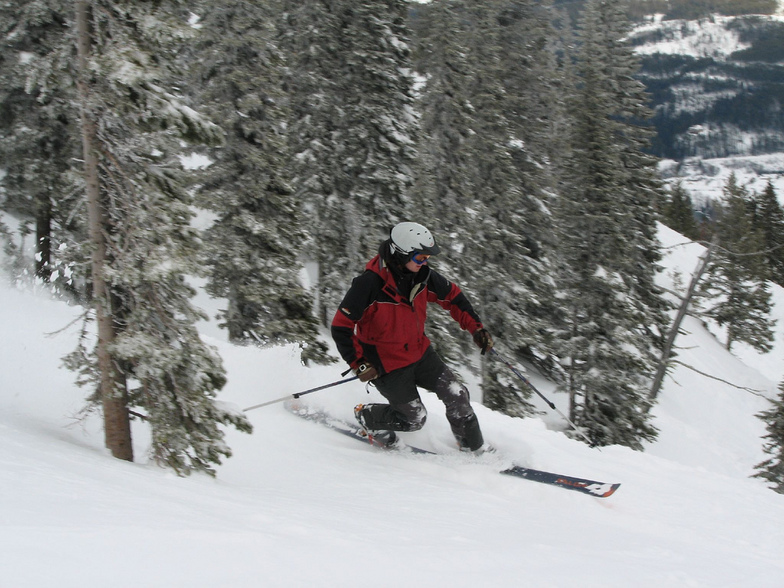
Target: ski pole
298 394
528 383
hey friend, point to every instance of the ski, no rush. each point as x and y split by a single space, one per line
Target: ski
345 428
590 487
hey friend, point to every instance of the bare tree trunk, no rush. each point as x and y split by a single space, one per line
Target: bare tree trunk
570 383
572 396
661 370
117 426
234 316
43 236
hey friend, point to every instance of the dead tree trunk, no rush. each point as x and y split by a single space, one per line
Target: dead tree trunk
661 370
117 426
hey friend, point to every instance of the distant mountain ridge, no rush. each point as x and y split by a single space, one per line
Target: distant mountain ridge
686 9
716 84
715 73
696 9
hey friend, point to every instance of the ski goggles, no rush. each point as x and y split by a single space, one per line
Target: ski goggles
419 258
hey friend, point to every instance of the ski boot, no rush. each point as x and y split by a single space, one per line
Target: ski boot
385 439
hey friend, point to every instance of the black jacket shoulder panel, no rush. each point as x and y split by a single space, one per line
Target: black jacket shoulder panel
364 290
439 285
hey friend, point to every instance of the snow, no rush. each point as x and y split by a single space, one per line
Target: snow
299 505
195 161
708 37
705 179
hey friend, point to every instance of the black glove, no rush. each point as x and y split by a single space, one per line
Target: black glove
365 371
483 340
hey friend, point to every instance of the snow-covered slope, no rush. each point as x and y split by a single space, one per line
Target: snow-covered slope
705 179
298 505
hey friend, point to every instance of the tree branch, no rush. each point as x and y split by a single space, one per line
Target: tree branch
751 390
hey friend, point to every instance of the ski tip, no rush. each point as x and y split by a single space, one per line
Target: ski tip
610 491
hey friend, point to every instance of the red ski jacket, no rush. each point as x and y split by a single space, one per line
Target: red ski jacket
379 323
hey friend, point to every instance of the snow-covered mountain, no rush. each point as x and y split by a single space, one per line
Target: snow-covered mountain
299 505
716 86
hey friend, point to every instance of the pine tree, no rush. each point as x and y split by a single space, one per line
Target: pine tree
149 353
310 37
353 130
485 63
769 219
254 246
679 212
643 188
772 469
443 182
615 319
448 117
521 250
736 293
38 136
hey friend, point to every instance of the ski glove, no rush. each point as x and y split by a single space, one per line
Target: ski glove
483 340
365 371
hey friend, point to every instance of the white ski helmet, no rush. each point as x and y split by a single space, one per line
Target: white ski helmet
406 238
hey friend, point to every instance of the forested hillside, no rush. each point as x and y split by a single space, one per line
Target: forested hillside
714 70
523 144
716 85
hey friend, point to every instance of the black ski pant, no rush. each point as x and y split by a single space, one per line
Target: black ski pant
406 412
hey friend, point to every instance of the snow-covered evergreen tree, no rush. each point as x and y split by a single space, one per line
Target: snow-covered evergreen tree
736 293
133 125
254 246
38 136
443 182
769 219
772 469
353 130
483 171
310 37
517 239
447 115
679 212
607 215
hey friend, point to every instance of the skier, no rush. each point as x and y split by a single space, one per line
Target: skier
379 332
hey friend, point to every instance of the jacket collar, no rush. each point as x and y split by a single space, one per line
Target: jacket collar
380 267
